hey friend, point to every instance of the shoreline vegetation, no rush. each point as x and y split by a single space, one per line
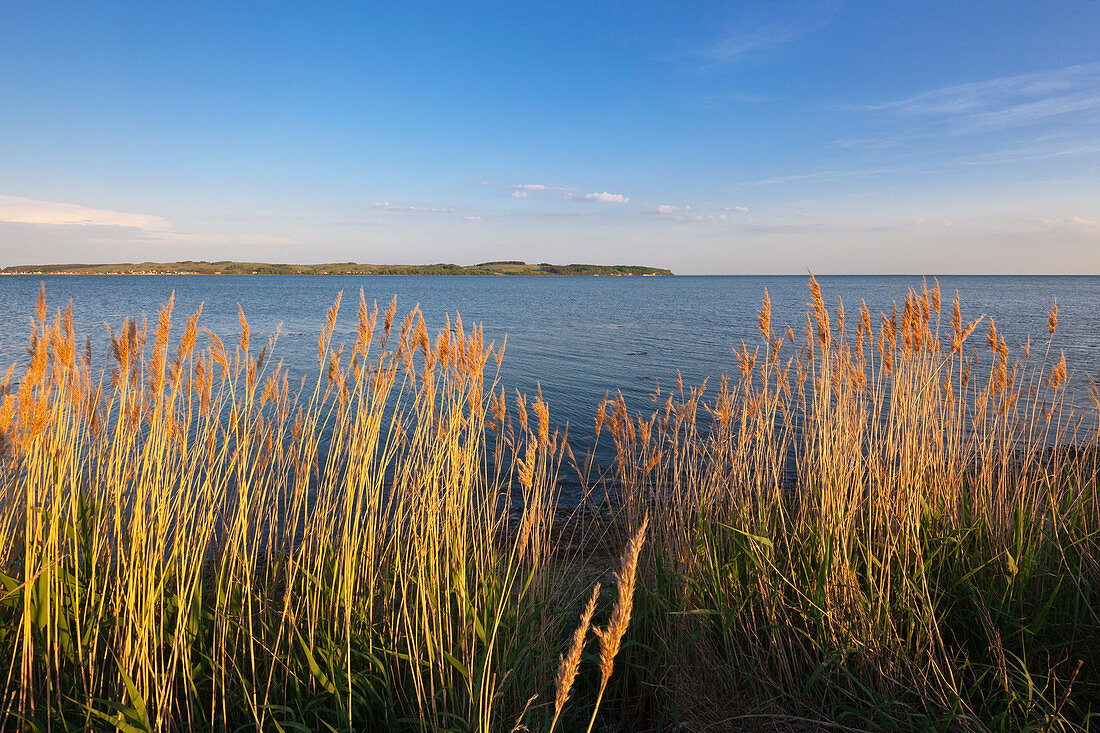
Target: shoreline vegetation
192 541
487 269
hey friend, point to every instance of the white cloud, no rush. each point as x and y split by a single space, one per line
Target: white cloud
17 210
605 197
666 209
525 190
472 218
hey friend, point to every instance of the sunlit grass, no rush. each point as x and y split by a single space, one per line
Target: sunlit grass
886 526
193 541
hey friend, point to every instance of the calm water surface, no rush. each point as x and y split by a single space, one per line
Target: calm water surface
578 337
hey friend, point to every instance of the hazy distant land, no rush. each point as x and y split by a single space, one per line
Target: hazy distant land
189 267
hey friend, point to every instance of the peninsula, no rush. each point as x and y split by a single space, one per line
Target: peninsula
189 267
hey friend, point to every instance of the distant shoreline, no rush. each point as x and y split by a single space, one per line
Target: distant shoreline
484 269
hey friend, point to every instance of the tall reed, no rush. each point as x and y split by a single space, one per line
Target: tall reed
192 540
886 523
890 526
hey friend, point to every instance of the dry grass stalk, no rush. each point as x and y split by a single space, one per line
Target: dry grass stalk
568 664
611 635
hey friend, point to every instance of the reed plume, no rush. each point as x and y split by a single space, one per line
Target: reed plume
764 317
867 523
570 662
611 635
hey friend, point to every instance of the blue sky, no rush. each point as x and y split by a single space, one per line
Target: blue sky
707 137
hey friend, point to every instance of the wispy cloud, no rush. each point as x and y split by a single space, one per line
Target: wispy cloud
401 208
1008 101
809 227
1041 150
525 190
757 31
1075 224
707 212
735 98
18 210
1032 152
828 175
443 212
923 223
575 214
